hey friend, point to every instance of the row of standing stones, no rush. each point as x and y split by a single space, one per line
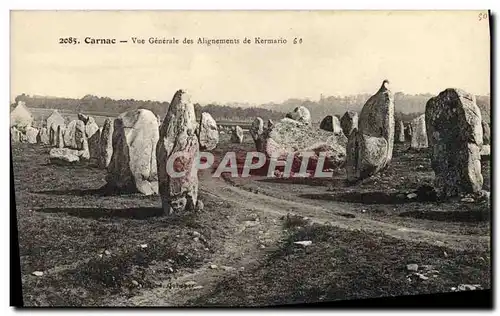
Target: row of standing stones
135 147
452 129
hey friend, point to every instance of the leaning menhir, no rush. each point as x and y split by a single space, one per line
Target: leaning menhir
369 148
453 122
133 163
176 152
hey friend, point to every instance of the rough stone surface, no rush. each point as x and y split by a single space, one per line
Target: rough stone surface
207 132
133 163
256 131
237 135
91 127
74 133
59 143
349 122
106 144
21 117
94 143
178 142
15 135
369 149
270 123
84 118
291 137
453 122
419 133
408 132
43 136
31 134
64 156
400 132
300 114
486 133
331 124
53 121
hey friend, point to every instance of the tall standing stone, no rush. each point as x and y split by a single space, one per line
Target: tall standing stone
178 147
207 132
73 135
453 123
486 133
400 132
84 118
106 143
331 123
133 163
408 132
91 127
349 122
369 149
256 131
31 135
237 135
43 136
15 135
60 136
53 121
419 133
94 144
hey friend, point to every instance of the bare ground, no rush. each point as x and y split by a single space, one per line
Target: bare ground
96 249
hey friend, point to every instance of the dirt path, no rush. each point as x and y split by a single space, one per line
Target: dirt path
242 248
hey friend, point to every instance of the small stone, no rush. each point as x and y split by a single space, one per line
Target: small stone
467 200
107 252
453 288
196 239
213 266
412 267
262 246
363 211
134 282
196 234
37 273
421 276
466 287
445 254
197 287
303 243
411 196
144 245
189 283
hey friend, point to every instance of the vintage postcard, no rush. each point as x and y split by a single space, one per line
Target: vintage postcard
250 158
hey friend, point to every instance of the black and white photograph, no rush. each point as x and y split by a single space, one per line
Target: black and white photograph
251 158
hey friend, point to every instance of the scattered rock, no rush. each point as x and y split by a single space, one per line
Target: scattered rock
300 114
208 135
134 282
303 243
190 283
74 135
412 196
331 124
412 267
213 266
37 273
31 134
349 122
144 246
467 200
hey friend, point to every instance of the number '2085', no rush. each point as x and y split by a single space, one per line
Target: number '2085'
68 40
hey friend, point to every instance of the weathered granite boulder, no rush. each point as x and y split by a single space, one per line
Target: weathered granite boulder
59 139
74 133
207 132
15 135
178 149
64 156
106 143
53 121
21 117
256 131
419 133
300 114
133 163
84 118
369 149
292 137
270 123
237 135
331 124
349 122
455 133
91 127
31 134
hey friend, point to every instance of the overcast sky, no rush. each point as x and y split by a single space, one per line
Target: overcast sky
342 53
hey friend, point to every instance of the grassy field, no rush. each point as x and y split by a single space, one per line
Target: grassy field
118 250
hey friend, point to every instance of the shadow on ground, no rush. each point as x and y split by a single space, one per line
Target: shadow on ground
133 213
361 197
469 216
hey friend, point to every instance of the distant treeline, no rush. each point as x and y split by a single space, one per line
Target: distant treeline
407 106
